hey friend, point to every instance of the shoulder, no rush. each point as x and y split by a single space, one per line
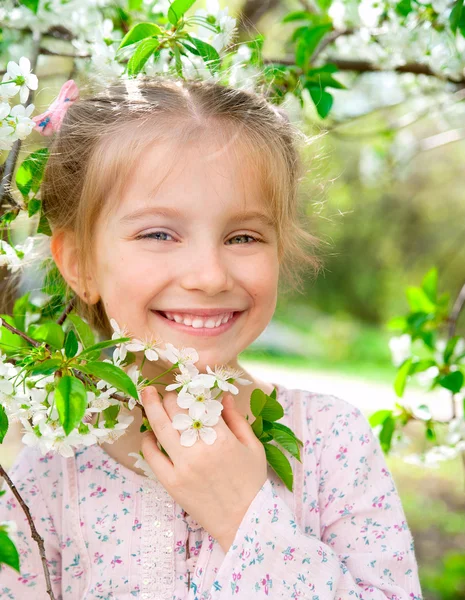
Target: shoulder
323 415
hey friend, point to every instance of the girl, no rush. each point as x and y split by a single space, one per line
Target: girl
173 209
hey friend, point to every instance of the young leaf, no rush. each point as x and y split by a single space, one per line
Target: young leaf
430 285
385 435
20 308
208 53
144 51
112 374
455 15
450 347
322 100
3 423
286 441
10 342
139 32
257 426
307 42
8 553
85 333
71 344
270 425
257 401
401 377
379 417
177 10
272 411
452 381
47 367
279 463
49 332
110 413
71 402
30 173
101 345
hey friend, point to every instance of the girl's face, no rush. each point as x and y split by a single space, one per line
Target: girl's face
201 241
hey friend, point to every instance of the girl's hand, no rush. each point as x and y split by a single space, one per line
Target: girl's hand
215 483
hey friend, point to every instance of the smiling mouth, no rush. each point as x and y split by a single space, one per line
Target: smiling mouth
196 324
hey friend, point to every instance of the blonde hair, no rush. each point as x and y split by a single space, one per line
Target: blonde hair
102 137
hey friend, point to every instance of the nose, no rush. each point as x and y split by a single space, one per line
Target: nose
208 270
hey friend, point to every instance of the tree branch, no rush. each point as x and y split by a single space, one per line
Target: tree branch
35 534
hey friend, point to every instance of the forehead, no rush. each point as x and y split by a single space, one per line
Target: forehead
215 173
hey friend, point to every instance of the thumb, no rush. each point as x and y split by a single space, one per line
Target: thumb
236 422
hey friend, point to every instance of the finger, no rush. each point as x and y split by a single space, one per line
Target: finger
160 422
236 422
159 463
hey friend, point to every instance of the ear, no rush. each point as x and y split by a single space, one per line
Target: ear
65 254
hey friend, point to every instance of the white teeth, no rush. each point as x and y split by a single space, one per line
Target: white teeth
199 322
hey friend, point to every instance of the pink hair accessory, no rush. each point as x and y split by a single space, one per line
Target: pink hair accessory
50 120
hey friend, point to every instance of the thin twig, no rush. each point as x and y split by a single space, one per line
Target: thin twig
67 310
21 334
35 534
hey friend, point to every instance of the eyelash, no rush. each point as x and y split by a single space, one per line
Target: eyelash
149 236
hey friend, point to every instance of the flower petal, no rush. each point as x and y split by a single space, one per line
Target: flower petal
189 437
181 421
208 435
197 410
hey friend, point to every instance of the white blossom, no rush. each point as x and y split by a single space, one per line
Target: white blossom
401 348
193 428
21 77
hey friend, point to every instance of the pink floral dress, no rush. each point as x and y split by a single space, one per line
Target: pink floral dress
111 533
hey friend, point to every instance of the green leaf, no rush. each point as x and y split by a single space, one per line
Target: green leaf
71 344
385 435
430 285
71 402
85 333
3 423
44 226
450 347
140 32
404 8
421 365
419 301
49 332
401 377
396 323
135 5
266 437
111 374
110 413
31 4
47 367
144 51
379 417
324 4
273 425
456 15
10 342
286 441
257 401
31 171
257 426
8 553
298 15
178 9
322 80
101 345
280 464
33 206
308 40
452 381
208 53
322 100
19 311
273 394
272 411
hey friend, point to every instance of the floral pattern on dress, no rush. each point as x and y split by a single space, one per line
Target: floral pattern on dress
113 534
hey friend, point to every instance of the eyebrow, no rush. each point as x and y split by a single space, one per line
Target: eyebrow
176 213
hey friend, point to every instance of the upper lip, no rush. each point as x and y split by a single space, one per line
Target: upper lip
201 312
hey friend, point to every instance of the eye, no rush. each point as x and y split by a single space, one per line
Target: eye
152 235
244 235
